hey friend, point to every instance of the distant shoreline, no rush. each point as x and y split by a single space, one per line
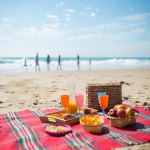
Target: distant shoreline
45 71
9 65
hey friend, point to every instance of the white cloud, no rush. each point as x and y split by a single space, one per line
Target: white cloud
68 19
70 10
99 32
82 13
138 30
92 14
51 31
82 37
136 17
50 25
6 32
43 33
4 27
54 25
65 25
108 26
57 19
5 19
135 24
28 31
101 35
51 16
88 8
46 25
67 15
5 37
61 4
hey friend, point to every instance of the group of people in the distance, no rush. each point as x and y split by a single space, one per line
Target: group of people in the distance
48 60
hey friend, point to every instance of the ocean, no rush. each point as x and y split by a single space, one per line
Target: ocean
16 64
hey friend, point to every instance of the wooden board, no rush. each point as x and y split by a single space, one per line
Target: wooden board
52 119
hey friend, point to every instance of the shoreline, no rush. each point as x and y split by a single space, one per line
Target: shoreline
8 65
90 69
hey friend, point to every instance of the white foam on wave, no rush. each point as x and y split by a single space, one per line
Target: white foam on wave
16 64
125 62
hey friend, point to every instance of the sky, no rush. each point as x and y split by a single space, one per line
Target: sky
89 28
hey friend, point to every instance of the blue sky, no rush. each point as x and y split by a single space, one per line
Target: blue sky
90 28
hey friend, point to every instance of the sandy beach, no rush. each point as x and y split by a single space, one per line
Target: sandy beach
41 90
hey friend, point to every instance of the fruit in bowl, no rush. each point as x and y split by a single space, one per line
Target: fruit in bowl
125 116
120 106
130 112
115 107
121 113
67 116
112 113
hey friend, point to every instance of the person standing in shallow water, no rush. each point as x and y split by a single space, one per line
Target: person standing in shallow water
37 62
78 62
25 64
48 62
90 63
59 62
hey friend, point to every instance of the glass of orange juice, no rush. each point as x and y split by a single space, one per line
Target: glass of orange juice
64 101
72 108
103 102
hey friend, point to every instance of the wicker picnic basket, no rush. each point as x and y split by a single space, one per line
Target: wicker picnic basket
114 90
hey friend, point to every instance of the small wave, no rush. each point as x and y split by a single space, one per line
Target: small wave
16 64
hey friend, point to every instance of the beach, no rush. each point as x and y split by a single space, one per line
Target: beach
41 90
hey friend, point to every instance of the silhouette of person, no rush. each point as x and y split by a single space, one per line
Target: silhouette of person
78 62
90 63
59 62
25 64
37 62
48 62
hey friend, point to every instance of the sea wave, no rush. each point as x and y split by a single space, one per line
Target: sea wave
17 64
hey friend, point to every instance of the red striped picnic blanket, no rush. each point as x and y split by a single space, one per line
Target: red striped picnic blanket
23 130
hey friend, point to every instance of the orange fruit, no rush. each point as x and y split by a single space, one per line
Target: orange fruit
115 107
120 106
130 112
